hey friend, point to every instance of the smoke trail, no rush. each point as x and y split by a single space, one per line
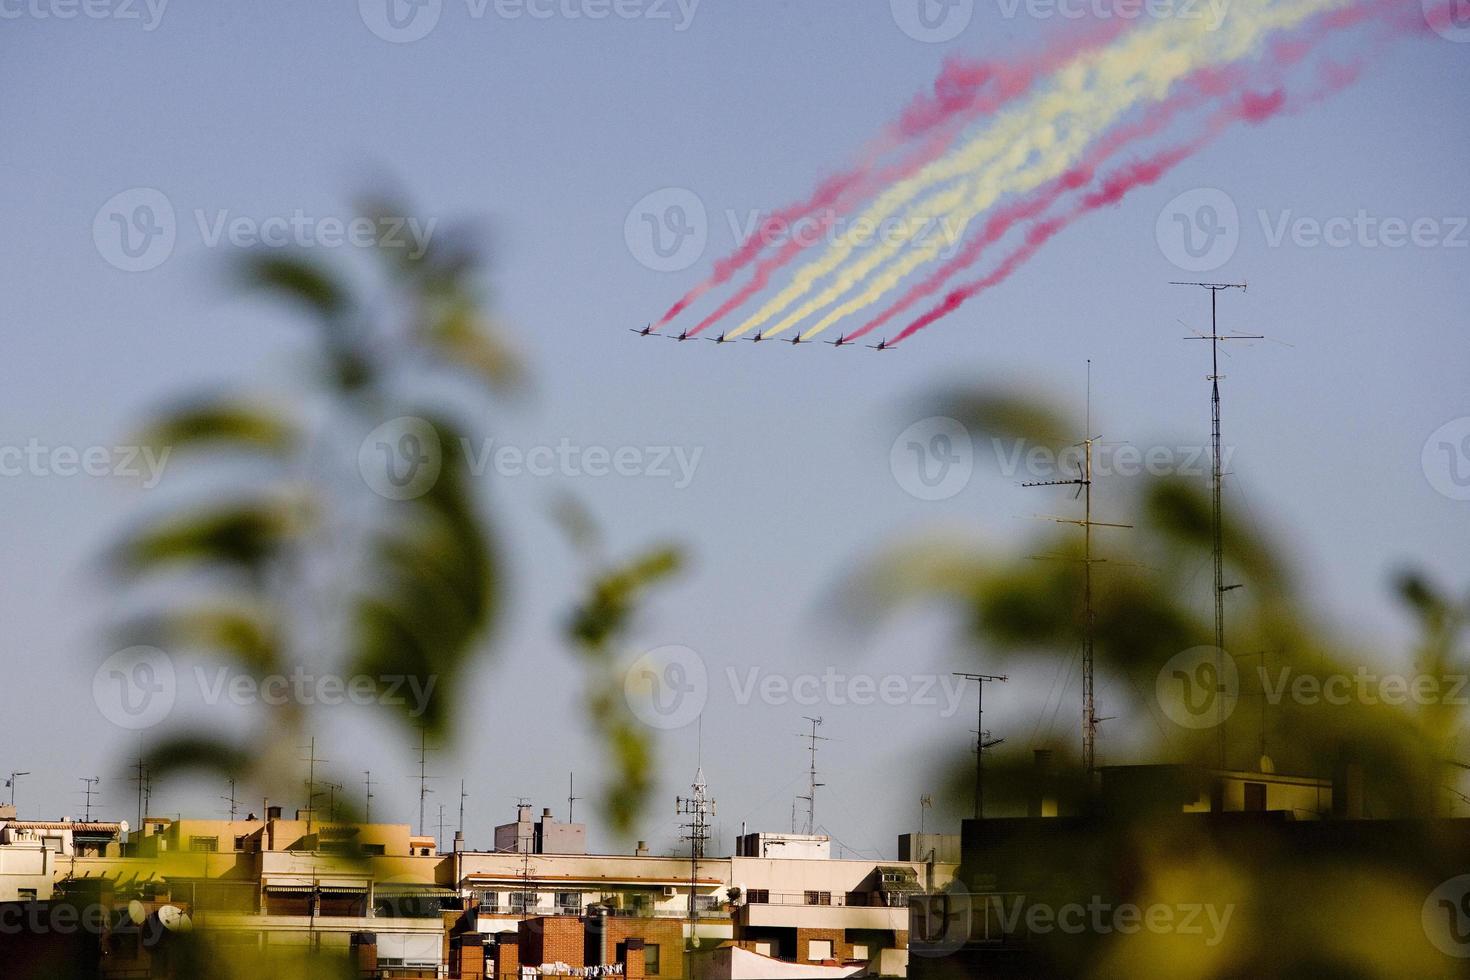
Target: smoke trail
964 90
1251 108
1090 94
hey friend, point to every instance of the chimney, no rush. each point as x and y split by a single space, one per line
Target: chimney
458 841
273 813
641 850
546 813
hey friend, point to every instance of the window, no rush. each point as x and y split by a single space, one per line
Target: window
650 959
26 894
489 901
374 849
859 952
240 842
763 948
706 903
521 901
818 898
52 844
1255 797
568 903
204 844
758 896
819 949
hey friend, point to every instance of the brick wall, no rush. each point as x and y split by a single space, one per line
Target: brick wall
552 939
841 950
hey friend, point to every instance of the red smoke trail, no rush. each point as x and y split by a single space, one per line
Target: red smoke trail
1036 203
963 91
1251 108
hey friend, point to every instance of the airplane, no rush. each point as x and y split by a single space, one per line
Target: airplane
721 339
881 345
797 340
839 342
682 337
644 332
758 337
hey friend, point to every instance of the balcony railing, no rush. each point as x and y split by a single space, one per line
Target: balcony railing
649 913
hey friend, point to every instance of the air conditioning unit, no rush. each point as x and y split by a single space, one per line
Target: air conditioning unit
669 891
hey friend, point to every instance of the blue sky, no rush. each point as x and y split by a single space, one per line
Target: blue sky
552 129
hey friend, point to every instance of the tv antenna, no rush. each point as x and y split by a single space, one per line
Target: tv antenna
10 784
332 790
311 794
232 801
572 796
1083 483
89 782
1216 477
424 777
980 681
812 785
698 807
367 800
926 802
462 797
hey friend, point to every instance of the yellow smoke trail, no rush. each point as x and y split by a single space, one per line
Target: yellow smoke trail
1026 147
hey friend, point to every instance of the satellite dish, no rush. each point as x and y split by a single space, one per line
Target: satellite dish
174 919
694 941
1267 766
124 827
136 912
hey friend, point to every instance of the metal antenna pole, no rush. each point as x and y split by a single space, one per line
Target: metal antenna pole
980 681
89 782
11 784
311 794
698 808
1083 483
572 796
462 797
812 784
424 790
367 808
232 801
1217 537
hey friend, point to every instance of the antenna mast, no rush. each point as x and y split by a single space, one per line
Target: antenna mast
980 681
424 790
367 809
698 808
1216 481
572 796
812 785
311 793
1083 483
89 781
234 803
